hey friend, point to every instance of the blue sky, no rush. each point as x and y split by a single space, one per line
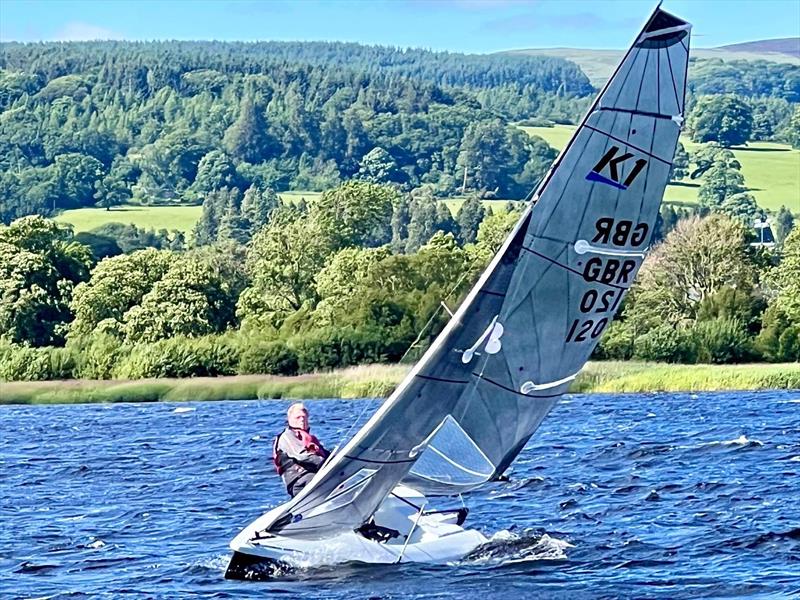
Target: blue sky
455 25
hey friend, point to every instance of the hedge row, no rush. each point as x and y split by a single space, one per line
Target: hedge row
104 357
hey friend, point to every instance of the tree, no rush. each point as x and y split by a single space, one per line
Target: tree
356 213
215 172
742 207
784 222
234 227
423 223
710 154
117 285
196 296
342 279
39 266
401 218
723 119
490 157
697 259
667 219
377 166
792 131
283 260
469 217
494 230
541 156
680 164
111 191
248 138
216 205
786 278
75 177
257 206
720 183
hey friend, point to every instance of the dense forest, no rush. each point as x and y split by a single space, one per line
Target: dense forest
105 123
360 272
153 122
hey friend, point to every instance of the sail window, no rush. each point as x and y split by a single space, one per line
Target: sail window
344 493
451 457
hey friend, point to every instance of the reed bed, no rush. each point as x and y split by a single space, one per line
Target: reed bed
380 380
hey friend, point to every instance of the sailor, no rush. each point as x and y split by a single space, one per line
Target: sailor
297 453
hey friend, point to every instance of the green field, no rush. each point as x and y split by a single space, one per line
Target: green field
181 218
771 171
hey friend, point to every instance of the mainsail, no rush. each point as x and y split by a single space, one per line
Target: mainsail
530 323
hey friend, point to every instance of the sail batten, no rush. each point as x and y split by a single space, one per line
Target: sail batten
536 313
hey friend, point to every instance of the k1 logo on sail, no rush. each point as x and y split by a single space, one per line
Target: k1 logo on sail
612 163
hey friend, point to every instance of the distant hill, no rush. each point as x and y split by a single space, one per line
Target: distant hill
598 64
789 46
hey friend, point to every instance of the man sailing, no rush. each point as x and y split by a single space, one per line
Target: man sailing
297 453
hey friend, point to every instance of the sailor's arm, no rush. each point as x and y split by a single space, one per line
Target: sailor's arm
292 448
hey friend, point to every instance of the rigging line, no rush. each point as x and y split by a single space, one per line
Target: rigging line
408 537
414 343
508 389
433 316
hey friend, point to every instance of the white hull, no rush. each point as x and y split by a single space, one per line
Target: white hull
421 536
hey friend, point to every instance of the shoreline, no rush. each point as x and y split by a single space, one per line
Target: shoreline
379 380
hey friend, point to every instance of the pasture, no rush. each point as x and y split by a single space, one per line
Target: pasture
156 217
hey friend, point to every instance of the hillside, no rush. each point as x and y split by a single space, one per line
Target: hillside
598 64
788 46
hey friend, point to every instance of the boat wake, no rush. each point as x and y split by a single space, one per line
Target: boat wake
507 547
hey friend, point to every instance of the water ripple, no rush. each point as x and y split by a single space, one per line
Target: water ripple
645 496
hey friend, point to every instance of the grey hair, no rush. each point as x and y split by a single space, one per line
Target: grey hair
295 407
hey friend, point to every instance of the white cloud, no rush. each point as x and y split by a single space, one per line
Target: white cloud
77 31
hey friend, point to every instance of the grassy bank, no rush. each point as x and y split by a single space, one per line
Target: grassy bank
380 380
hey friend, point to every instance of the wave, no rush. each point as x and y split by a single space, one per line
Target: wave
742 440
506 547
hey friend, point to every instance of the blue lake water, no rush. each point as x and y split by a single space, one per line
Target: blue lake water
658 496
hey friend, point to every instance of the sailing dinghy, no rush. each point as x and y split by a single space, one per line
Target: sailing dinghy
522 334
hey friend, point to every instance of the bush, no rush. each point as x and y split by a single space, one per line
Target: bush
722 340
664 344
778 340
96 355
270 358
180 356
22 363
789 343
331 347
616 343
536 122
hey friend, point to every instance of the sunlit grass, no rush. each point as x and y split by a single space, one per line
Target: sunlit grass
182 218
380 381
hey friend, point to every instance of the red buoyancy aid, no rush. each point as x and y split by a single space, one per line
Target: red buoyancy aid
309 441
